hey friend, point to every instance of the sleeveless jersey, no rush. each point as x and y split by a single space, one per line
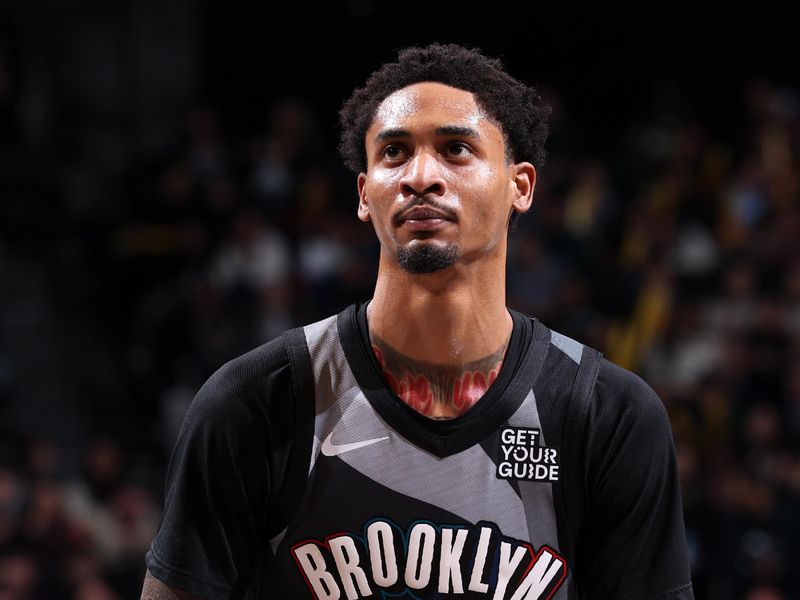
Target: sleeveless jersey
299 474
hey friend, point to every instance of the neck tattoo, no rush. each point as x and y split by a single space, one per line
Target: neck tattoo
434 390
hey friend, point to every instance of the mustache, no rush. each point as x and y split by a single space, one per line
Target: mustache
399 216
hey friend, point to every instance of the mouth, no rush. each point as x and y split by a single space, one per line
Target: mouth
424 213
424 225
423 219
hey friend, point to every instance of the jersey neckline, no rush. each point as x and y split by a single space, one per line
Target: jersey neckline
523 361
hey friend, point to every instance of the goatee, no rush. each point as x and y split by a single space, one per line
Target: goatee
427 258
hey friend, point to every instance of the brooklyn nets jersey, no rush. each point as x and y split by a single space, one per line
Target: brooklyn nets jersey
299 474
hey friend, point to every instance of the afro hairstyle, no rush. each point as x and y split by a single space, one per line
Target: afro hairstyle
517 108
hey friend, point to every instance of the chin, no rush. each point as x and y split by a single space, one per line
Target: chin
422 258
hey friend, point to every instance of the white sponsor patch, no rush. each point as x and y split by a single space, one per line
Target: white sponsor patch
523 456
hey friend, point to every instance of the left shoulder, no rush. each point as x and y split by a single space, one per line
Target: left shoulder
608 392
621 391
624 411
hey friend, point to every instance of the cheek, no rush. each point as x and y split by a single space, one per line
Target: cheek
491 201
381 178
378 191
379 188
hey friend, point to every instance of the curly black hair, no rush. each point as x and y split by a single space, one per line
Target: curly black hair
517 108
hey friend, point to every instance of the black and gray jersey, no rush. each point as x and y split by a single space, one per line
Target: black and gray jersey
560 482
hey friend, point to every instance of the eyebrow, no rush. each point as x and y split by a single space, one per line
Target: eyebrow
458 130
444 130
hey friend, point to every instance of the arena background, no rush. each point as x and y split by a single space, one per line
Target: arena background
172 197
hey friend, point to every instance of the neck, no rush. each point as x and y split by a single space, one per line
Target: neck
440 338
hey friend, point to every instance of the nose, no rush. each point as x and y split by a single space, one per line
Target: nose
422 176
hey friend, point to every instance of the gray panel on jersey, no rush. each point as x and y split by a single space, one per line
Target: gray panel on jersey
345 414
567 345
335 386
332 374
401 466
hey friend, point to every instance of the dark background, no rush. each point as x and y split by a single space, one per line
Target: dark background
608 63
147 147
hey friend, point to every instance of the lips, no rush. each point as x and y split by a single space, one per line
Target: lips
424 213
424 220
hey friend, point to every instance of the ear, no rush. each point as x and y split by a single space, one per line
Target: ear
522 184
363 205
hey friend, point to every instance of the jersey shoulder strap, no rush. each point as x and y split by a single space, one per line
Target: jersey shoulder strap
574 486
288 491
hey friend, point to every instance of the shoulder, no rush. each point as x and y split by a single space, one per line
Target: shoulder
243 390
609 403
611 387
626 428
249 371
624 397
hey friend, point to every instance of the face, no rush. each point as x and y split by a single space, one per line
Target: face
438 188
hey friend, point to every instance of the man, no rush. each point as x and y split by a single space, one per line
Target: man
430 443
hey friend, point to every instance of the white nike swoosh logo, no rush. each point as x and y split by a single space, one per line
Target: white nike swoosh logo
331 449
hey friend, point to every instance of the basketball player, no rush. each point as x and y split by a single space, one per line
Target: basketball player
431 442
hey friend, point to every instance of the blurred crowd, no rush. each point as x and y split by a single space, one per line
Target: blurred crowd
676 251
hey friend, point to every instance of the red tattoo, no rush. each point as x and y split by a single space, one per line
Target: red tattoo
471 386
414 391
435 390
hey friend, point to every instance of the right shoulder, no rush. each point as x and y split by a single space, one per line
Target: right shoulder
245 387
251 371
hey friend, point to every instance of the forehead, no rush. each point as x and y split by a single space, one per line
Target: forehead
429 101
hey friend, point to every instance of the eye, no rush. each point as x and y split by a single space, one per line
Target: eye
392 152
458 149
